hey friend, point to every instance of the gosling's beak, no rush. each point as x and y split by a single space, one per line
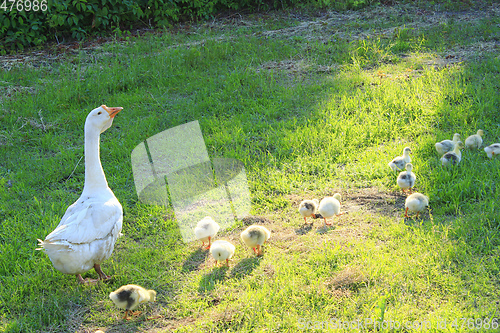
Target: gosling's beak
111 111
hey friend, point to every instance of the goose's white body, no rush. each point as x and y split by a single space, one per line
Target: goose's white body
399 162
222 250
254 236
416 203
307 208
492 150
453 157
130 296
406 179
329 207
206 229
447 145
87 232
474 141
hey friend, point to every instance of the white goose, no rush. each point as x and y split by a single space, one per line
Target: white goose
416 203
130 297
399 162
307 208
453 157
474 141
406 179
255 236
87 233
492 150
447 145
222 250
205 230
329 207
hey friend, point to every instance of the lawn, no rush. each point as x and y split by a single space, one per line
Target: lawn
311 103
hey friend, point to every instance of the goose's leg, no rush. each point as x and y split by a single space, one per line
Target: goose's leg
406 212
80 279
305 221
126 315
85 281
227 262
259 250
155 317
208 246
99 271
326 222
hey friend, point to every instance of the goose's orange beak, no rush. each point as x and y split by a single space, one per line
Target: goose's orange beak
111 111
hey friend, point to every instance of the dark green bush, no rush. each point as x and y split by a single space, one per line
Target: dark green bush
76 19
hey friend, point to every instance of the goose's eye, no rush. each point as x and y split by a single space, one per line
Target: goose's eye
99 112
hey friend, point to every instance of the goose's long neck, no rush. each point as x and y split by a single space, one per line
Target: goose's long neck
94 174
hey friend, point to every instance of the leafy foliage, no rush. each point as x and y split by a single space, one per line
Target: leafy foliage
77 19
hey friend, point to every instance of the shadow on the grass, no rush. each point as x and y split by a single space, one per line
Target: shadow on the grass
304 229
245 267
210 280
195 260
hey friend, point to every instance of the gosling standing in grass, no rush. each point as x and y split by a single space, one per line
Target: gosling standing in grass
307 208
329 207
205 230
416 203
254 237
453 157
474 141
406 179
492 150
129 297
447 145
222 250
399 162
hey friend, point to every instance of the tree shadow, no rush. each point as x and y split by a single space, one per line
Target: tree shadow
245 267
195 260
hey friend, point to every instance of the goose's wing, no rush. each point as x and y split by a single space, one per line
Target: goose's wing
143 296
87 221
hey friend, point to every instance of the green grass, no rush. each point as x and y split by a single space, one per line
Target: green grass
310 110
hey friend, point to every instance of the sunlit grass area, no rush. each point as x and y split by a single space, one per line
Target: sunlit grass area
310 106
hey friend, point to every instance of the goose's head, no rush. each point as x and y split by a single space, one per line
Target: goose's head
101 118
409 167
152 295
456 137
480 132
407 151
337 196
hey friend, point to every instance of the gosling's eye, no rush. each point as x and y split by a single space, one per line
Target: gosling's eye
99 112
